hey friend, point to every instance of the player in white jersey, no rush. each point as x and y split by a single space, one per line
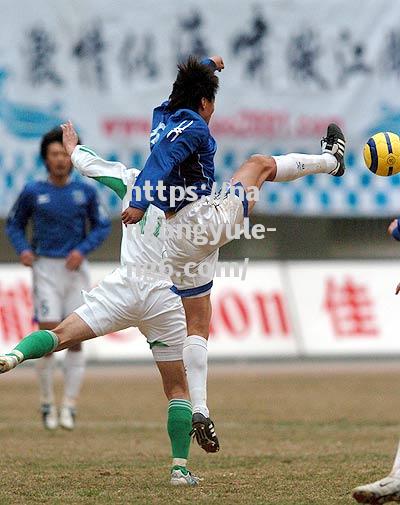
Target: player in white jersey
126 298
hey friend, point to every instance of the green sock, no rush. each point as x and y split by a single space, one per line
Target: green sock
179 426
37 344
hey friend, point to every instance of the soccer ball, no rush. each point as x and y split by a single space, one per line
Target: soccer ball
382 153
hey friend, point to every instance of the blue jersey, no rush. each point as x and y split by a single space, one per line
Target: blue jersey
396 231
59 215
182 155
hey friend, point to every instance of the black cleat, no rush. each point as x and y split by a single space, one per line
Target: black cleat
335 143
204 432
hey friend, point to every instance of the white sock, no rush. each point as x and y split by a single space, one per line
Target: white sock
179 462
74 367
396 465
44 369
294 165
195 361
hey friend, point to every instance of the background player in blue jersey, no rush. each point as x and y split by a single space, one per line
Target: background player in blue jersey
182 157
387 489
59 210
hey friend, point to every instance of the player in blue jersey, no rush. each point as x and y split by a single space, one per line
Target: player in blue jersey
178 177
60 210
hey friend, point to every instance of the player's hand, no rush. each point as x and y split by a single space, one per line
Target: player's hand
132 215
74 260
398 288
70 137
393 225
27 258
219 62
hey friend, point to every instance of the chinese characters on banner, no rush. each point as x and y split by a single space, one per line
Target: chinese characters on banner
249 45
351 308
291 69
345 308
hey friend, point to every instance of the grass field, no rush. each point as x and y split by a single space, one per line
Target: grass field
290 434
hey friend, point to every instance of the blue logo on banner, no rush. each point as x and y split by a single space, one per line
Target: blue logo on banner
26 122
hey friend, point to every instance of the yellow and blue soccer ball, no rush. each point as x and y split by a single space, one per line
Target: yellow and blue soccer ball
382 154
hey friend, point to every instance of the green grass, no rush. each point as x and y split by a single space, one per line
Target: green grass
286 439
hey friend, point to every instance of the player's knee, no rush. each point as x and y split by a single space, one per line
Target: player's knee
176 392
200 328
265 165
198 323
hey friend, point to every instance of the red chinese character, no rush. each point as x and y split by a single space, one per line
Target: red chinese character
350 309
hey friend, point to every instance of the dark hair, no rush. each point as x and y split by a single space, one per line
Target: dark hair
54 135
193 82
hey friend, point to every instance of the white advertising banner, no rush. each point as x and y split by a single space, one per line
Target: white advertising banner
328 308
291 68
251 317
346 308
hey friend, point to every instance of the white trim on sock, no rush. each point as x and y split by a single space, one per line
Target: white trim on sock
56 342
18 354
179 462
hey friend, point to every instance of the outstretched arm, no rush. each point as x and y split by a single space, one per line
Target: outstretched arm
216 62
89 164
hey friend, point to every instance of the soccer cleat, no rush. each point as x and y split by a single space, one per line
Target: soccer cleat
203 431
182 477
334 143
49 416
67 418
382 491
10 361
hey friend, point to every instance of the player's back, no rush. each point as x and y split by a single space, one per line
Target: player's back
197 169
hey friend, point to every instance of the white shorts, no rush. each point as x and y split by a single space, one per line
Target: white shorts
192 264
120 301
57 291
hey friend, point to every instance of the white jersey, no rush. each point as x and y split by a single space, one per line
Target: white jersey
116 302
142 243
